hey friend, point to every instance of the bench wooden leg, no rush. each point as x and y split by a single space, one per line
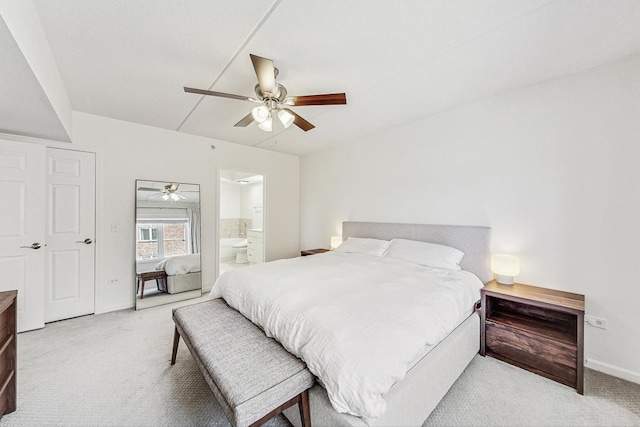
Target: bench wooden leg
303 404
176 341
305 412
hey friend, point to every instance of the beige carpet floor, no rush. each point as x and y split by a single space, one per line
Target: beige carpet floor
113 370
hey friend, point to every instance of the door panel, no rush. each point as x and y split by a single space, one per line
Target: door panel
22 183
65 204
70 220
12 214
64 267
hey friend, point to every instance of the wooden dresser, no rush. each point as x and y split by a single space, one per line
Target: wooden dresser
7 352
538 329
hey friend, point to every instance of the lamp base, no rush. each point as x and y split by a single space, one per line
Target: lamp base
504 280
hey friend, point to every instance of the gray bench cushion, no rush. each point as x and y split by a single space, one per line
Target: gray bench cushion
249 373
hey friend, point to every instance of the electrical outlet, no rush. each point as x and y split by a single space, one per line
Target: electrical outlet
596 322
114 281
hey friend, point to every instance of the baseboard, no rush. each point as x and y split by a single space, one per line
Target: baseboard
615 371
116 307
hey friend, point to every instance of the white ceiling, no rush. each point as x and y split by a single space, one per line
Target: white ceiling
22 99
397 61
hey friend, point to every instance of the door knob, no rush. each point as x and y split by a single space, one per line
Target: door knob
35 245
85 241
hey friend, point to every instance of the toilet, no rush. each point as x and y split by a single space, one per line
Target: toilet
240 249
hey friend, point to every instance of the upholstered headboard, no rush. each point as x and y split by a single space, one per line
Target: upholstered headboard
474 241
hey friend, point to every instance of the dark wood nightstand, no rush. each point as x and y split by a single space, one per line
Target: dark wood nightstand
313 251
537 329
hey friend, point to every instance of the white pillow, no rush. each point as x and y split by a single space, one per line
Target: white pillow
361 245
423 253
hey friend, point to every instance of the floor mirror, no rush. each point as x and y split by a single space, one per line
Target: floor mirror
167 242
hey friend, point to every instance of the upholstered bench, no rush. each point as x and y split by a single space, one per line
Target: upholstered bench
252 376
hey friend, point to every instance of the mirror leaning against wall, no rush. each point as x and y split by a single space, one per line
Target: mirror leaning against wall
167 242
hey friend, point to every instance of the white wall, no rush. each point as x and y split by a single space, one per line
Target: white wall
240 201
252 199
128 151
552 168
229 200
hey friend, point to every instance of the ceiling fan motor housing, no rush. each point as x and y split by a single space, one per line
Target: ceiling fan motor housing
279 96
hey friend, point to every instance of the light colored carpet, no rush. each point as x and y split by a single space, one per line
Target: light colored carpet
494 393
113 370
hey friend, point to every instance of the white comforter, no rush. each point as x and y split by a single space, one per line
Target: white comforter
180 264
358 321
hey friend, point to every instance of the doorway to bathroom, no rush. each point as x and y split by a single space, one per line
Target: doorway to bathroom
241 195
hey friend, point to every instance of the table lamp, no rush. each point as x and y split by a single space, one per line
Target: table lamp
505 267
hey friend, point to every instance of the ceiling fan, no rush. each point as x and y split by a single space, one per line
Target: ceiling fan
169 192
274 100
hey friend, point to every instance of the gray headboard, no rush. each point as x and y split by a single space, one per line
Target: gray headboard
474 241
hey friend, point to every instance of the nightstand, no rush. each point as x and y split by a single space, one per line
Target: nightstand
537 329
313 251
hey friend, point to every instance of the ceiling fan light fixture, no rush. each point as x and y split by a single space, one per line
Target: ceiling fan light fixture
286 118
174 197
260 113
165 197
267 124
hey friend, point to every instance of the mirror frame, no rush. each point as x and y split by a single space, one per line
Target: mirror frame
163 297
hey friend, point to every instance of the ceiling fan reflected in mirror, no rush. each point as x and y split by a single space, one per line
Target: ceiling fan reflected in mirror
170 192
274 99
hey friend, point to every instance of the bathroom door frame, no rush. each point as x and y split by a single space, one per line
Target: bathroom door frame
265 233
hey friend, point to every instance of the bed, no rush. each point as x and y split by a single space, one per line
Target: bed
377 390
183 273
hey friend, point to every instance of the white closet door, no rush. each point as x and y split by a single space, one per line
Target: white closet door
22 245
70 225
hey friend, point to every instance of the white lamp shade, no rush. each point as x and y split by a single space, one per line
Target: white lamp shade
505 267
260 113
286 118
335 241
266 125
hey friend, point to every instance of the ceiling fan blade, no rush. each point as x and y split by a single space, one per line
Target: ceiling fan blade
148 189
326 99
245 121
299 121
266 74
220 94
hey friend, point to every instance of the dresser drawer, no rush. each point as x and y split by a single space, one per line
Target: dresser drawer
7 352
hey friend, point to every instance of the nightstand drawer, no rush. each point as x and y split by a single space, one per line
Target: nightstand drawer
533 352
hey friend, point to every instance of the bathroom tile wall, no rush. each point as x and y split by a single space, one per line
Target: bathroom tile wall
234 227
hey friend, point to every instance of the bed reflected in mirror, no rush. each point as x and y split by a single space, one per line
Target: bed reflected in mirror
167 242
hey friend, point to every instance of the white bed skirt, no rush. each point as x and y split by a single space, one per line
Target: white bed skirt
410 401
184 282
